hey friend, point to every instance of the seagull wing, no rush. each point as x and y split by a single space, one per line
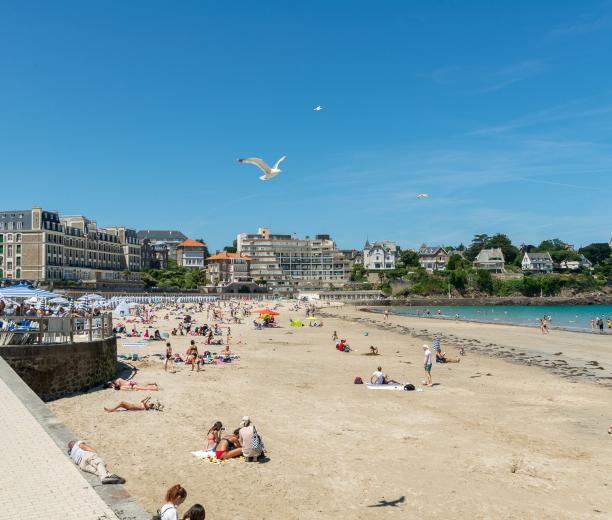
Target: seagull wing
257 162
280 161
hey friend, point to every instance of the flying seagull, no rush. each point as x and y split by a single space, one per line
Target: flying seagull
318 108
423 196
268 172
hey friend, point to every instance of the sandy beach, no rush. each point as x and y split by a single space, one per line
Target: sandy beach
504 434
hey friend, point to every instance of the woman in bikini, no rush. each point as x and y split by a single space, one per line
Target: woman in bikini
192 356
131 407
124 384
214 436
169 359
229 447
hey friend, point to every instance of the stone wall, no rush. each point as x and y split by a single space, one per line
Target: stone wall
57 370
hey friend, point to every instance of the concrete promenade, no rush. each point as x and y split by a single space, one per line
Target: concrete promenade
38 479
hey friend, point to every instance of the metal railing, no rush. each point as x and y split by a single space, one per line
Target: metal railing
35 330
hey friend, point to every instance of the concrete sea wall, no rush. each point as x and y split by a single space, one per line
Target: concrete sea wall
58 370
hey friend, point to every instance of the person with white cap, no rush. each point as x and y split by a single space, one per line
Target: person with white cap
252 445
427 364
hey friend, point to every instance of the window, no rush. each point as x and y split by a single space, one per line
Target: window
18 261
18 273
9 225
9 238
18 249
9 250
18 237
19 225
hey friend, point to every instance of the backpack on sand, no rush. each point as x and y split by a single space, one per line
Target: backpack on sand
409 386
358 381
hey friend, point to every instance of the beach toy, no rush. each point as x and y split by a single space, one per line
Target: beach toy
365 333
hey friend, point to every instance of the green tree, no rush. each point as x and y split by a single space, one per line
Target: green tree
478 242
458 279
596 253
233 248
409 258
484 281
554 244
359 273
501 241
455 262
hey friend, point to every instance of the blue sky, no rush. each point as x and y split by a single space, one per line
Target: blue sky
134 113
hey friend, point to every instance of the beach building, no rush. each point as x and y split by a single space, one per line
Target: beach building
433 258
154 254
537 262
575 265
490 260
36 244
171 238
130 247
288 264
380 255
191 253
224 268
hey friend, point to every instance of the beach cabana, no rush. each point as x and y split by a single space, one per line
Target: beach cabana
23 291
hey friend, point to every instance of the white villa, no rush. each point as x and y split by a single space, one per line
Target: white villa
380 255
537 262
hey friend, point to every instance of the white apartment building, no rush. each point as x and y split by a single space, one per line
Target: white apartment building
288 264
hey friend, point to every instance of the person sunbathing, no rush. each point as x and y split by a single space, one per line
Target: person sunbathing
441 357
124 384
145 404
229 447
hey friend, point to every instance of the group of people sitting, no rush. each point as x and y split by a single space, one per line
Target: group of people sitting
243 441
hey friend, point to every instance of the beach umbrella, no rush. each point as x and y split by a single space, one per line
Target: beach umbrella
267 312
91 297
25 291
60 299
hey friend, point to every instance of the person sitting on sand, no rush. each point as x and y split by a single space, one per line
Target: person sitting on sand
378 378
86 458
123 384
157 336
441 356
131 407
335 336
214 436
195 512
343 346
252 445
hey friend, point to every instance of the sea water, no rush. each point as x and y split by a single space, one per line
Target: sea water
576 317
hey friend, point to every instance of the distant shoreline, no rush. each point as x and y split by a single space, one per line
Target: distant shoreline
581 330
536 301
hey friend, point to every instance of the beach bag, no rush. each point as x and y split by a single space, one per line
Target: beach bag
257 443
409 386
358 381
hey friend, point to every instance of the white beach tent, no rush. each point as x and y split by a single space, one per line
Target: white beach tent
121 311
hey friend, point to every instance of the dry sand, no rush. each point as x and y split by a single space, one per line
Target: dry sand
495 439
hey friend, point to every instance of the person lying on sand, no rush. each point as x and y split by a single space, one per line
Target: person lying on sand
378 378
131 407
86 458
124 384
229 446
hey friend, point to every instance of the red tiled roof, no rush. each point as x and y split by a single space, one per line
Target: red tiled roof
224 255
191 243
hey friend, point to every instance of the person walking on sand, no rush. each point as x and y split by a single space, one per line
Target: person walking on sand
386 314
335 336
427 365
169 358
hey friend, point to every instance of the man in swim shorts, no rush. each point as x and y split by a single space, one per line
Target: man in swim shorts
427 358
